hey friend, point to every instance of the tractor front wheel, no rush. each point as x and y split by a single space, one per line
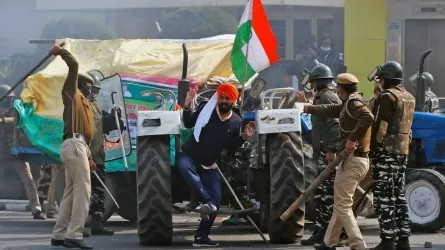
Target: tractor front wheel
286 169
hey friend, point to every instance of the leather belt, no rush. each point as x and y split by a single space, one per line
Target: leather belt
360 154
78 136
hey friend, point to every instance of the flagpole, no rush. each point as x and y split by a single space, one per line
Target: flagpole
245 76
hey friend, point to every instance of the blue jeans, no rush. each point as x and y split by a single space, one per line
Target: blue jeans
204 182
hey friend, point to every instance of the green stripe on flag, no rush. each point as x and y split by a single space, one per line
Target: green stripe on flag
239 60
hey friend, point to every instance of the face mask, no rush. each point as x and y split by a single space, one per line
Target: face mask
325 49
224 107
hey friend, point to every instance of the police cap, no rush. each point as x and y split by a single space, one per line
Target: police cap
347 79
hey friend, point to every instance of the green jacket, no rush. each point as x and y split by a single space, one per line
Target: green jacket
97 143
325 131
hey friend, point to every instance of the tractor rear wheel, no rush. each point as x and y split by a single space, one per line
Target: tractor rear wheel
286 184
425 197
154 197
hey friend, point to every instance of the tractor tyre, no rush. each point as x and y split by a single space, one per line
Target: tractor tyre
286 184
425 197
154 192
311 172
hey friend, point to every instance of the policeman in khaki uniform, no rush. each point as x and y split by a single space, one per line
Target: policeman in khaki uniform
325 135
355 137
78 132
391 136
366 183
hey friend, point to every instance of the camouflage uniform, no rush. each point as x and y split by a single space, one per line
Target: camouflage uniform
49 174
104 123
391 134
98 154
325 135
431 102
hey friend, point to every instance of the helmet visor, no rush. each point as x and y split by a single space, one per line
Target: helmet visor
375 74
305 82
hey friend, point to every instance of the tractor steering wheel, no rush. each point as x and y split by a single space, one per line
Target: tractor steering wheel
203 96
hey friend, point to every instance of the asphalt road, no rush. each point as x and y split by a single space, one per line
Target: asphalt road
19 231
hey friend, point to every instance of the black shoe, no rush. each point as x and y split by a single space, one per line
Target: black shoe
403 244
38 216
86 233
97 228
323 246
385 244
70 243
58 243
316 238
50 216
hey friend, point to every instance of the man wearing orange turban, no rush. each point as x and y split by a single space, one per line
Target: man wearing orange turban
216 128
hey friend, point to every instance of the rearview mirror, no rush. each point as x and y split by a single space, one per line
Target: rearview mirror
257 87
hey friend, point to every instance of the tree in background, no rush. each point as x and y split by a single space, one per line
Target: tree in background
197 22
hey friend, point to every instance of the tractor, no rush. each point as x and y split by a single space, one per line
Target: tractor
272 165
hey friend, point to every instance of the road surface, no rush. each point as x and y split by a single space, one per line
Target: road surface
18 231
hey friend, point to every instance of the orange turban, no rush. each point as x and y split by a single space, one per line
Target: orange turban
229 90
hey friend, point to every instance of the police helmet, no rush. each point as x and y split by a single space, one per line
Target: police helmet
97 77
4 89
389 70
321 71
429 79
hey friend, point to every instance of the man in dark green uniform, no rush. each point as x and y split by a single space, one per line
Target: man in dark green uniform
104 123
391 136
325 135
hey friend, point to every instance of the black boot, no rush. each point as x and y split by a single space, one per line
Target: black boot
385 244
86 232
316 238
97 228
403 244
323 246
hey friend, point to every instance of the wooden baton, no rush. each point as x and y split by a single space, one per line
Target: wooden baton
323 176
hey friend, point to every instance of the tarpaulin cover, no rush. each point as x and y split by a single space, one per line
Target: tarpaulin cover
143 64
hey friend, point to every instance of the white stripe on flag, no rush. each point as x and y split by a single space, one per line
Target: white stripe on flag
247 14
257 57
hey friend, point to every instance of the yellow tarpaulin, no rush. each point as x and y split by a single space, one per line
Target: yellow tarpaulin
144 57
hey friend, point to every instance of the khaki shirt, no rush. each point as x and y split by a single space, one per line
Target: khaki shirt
355 121
77 116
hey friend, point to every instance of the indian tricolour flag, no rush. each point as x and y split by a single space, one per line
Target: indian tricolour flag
255 46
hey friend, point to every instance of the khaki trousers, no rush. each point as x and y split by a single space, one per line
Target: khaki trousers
349 174
75 203
365 184
24 172
56 170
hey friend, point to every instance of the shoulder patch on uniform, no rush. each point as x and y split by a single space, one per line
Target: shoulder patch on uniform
357 103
